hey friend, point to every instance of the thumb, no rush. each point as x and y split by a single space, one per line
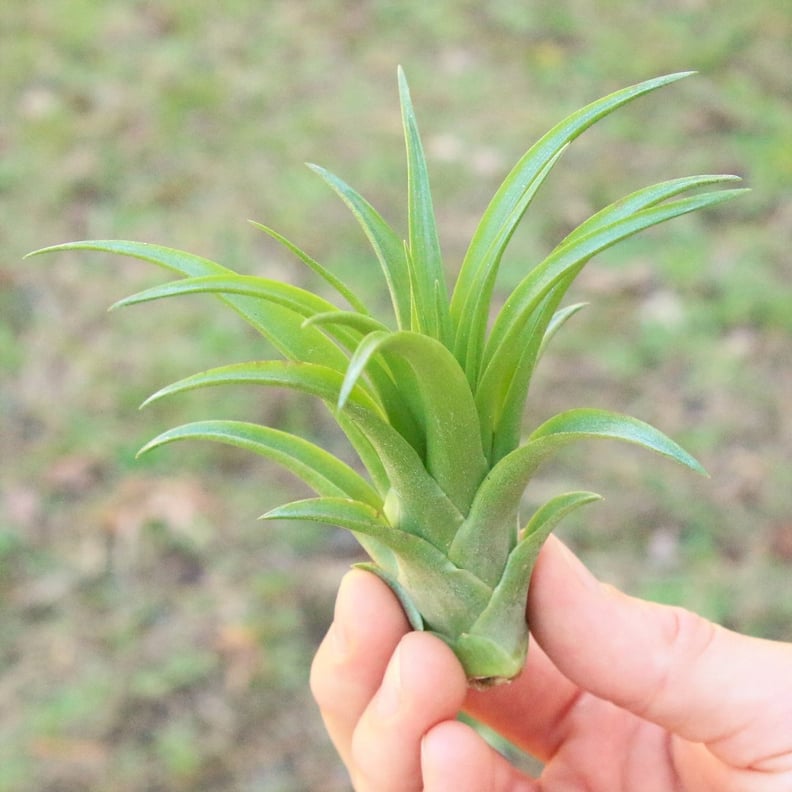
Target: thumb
666 665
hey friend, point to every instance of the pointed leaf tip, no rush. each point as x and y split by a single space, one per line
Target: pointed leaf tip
584 423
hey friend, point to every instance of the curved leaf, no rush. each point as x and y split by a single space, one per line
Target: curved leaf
559 319
366 452
180 261
323 472
345 332
310 378
454 456
473 317
568 259
447 597
506 608
362 520
503 390
408 606
545 519
509 202
301 302
293 297
425 509
517 322
387 380
643 199
498 498
323 272
278 324
391 461
584 423
360 322
353 515
386 244
314 380
507 426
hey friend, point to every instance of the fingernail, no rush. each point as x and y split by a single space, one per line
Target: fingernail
389 694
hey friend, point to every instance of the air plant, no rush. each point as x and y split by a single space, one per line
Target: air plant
431 398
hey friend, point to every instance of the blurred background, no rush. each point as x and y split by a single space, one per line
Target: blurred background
154 635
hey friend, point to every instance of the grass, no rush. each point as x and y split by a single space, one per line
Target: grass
154 635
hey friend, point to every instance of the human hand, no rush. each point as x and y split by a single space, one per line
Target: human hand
618 695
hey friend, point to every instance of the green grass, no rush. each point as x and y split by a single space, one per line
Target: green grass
160 122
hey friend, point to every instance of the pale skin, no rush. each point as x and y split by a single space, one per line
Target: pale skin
618 695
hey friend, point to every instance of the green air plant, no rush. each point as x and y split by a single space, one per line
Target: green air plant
432 398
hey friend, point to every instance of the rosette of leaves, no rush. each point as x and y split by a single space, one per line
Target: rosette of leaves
432 397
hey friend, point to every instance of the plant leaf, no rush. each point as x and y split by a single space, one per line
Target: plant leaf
643 199
360 322
293 297
318 468
507 604
353 515
454 456
347 293
278 324
485 539
568 259
424 507
392 462
310 378
509 202
359 424
501 395
588 422
473 317
447 597
345 332
502 390
272 293
559 319
175 260
361 519
386 244
425 259
498 498
516 323
410 611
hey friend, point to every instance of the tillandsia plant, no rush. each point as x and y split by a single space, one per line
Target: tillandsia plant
432 398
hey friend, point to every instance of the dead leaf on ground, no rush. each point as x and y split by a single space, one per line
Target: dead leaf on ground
86 753
781 541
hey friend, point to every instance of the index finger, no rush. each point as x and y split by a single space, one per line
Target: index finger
350 663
